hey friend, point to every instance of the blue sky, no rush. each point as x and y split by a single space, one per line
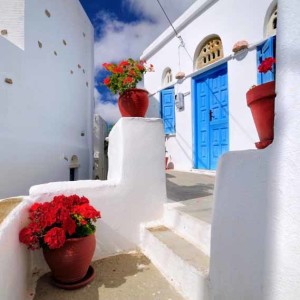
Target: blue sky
123 29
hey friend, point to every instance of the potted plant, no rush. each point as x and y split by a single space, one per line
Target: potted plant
64 228
133 102
261 101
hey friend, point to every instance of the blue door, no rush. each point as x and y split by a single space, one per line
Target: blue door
168 110
210 106
267 49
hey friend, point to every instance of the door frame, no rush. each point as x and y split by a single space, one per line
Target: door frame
195 79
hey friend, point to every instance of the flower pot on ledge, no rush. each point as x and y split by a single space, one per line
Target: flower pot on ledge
261 101
133 103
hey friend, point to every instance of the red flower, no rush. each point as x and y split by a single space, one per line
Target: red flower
107 66
266 65
27 237
127 80
53 222
69 225
141 67
106 81
55 238
118 70
124 63
87 211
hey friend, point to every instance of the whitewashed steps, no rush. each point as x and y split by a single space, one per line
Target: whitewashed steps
191 221
183 264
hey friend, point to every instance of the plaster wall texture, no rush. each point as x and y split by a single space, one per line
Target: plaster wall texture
45 111
255 230
232 21
12 20
134 194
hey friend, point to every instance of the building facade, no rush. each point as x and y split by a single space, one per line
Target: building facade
205 113
46 102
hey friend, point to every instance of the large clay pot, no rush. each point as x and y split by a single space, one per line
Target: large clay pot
70 263
133 103
261 101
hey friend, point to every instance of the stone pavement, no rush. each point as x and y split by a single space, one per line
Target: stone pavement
120 277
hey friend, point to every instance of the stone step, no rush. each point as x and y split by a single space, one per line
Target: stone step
7 205
191 219
183 264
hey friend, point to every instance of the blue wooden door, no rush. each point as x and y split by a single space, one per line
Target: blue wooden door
211 136
168 110
267 49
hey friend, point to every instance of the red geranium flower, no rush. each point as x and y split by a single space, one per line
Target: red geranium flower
51 223
266 65
106 81
55 238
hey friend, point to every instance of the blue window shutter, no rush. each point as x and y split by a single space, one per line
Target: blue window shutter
267 49
168 110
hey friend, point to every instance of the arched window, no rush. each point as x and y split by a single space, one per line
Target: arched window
272 23
210 52
167 77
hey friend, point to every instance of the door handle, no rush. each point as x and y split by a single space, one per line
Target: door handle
210 115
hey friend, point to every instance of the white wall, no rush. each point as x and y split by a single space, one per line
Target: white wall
256 225
45 110
232 21
12 20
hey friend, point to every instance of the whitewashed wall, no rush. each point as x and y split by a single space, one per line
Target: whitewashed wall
12 20
46 109
232 21
256 224
134 194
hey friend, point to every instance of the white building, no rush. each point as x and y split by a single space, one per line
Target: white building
46 102
213 117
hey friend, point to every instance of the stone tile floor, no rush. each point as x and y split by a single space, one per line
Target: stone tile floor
120 277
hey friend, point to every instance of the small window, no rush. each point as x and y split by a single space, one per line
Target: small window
210 52
167 77
272 23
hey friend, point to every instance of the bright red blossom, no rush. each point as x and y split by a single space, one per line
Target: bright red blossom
106 81
55 238
266 65
51 223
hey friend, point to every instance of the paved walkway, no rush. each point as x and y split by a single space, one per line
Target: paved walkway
120 277
193 192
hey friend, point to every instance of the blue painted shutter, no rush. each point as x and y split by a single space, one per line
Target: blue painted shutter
168 110
265 50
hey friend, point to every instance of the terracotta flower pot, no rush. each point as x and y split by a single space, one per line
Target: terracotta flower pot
261 101
70 263
133 103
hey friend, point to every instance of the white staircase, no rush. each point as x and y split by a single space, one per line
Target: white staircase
179 246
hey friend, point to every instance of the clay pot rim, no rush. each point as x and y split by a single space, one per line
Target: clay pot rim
134 89
79 238
269 88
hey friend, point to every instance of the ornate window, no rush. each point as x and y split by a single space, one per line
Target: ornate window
210 52
167 77
272 23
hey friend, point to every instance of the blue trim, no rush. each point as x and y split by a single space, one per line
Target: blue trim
196 119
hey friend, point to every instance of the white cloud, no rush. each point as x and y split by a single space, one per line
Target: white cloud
121 40
107 110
